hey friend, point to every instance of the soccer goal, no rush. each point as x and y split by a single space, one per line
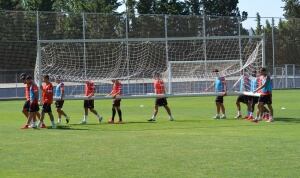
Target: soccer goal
184 49
185 64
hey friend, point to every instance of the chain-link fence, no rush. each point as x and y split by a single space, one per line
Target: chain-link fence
20 32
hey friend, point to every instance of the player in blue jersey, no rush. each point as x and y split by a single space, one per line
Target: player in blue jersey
220 89
244 86
59 96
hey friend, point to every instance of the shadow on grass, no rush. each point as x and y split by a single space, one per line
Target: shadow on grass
87 124
140 122
288 119
66 127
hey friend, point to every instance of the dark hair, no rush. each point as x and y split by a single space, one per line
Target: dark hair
216 70
263 69
28 77
23 76
156 74
46 76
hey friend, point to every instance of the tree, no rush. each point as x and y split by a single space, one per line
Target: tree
291 8
10 5
194 7
38 5
146 6
222 8
258 30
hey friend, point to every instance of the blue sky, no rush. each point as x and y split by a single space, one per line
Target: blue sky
266 8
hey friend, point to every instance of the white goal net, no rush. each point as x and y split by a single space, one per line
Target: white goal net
186 64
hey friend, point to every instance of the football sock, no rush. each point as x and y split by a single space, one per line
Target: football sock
85 118
113 113
120 114
52 123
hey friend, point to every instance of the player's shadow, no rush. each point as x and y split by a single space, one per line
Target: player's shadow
139 122
85 124
68 128
287 119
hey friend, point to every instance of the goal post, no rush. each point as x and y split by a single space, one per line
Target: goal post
182 62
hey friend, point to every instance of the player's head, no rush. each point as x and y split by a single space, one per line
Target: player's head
156 75
263 71
28 79
58 79
46 78
216 71
23 77
254 74
115 80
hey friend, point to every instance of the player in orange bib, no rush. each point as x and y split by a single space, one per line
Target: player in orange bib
27 96
115 93
265 90
89 102
33 102
47 100
159 89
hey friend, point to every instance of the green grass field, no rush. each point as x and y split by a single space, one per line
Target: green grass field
193 146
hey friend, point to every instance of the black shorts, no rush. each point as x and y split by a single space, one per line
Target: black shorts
34 107
46 108
253 99
59 104
219 99
116 102
243 99
161 102
265 99
26 106
88 104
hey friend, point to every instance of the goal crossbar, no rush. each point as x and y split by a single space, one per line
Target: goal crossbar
148 39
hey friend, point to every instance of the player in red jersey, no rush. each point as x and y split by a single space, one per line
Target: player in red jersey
115 93
159 89
89 102
33 102
47 100
265 89
27 96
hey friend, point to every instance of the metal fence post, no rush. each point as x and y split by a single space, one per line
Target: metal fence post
39 60
84 45
240 43
127 50
204 43
264 50
167 57
273 45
